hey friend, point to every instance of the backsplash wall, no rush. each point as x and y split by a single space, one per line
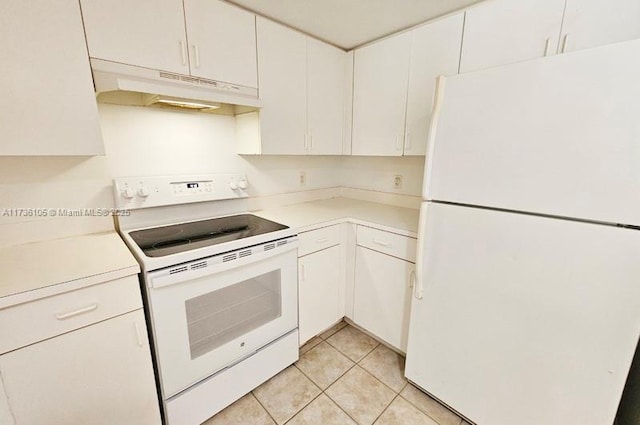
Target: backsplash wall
147 141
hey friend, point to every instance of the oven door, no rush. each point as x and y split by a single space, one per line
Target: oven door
207 318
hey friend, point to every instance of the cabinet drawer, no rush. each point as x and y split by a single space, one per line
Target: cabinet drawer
388 243
35 321
318 239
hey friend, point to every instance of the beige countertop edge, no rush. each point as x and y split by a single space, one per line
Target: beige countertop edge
46 268
366 223
317 214
60 288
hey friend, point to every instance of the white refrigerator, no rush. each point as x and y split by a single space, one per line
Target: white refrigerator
526 307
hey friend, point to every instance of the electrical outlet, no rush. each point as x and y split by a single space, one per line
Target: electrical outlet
303 178
397 181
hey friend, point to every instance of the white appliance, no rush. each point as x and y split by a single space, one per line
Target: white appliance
527 303
220 288
134 85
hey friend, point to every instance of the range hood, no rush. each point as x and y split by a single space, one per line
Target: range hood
132 85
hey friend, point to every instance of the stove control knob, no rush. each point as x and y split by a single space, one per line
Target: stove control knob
233 185
143 192
242 184
128 193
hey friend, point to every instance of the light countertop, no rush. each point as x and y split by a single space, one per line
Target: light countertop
312 215
40 269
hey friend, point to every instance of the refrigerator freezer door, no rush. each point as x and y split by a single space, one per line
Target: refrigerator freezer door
558 136
524 319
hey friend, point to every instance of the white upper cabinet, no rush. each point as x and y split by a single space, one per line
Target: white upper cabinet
591 23
204 38
302 89
381 74
435 50
325 98
282 70
505 31
48 105
146 33
222 42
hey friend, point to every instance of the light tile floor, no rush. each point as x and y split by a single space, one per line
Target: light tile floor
343 377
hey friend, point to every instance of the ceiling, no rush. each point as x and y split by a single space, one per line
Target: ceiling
350 23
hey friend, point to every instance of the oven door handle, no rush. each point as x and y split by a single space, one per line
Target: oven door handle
163 278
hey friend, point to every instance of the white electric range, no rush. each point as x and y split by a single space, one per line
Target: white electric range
220 288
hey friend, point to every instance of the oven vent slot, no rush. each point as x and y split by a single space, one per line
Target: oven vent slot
282 242
269 246
229 257
200 265
245 253
178 270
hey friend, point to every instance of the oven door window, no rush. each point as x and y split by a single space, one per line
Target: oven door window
215 318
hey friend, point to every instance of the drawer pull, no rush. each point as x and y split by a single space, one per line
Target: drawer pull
412 278
322 240
381 243
77 312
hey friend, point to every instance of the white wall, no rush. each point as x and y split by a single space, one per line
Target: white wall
148 141
377 173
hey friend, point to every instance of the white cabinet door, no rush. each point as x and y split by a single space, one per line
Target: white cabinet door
325 98
381 74
319 292
146 33
382 296
435 50
282 71
591 23
222 42
507 31
48 105
99 375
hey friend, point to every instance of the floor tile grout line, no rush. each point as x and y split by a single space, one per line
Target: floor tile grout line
425 413
385 409
347 356
340 407
377 379
264 408
303 407
328 395
332 382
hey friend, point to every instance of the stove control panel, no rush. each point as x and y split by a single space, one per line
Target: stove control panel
146 192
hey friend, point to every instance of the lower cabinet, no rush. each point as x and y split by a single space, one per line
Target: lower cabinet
382 296
100 375
320 277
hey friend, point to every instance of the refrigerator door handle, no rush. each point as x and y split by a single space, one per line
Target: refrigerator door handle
418 286
433 129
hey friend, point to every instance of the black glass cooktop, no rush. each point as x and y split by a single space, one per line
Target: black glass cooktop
166 240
